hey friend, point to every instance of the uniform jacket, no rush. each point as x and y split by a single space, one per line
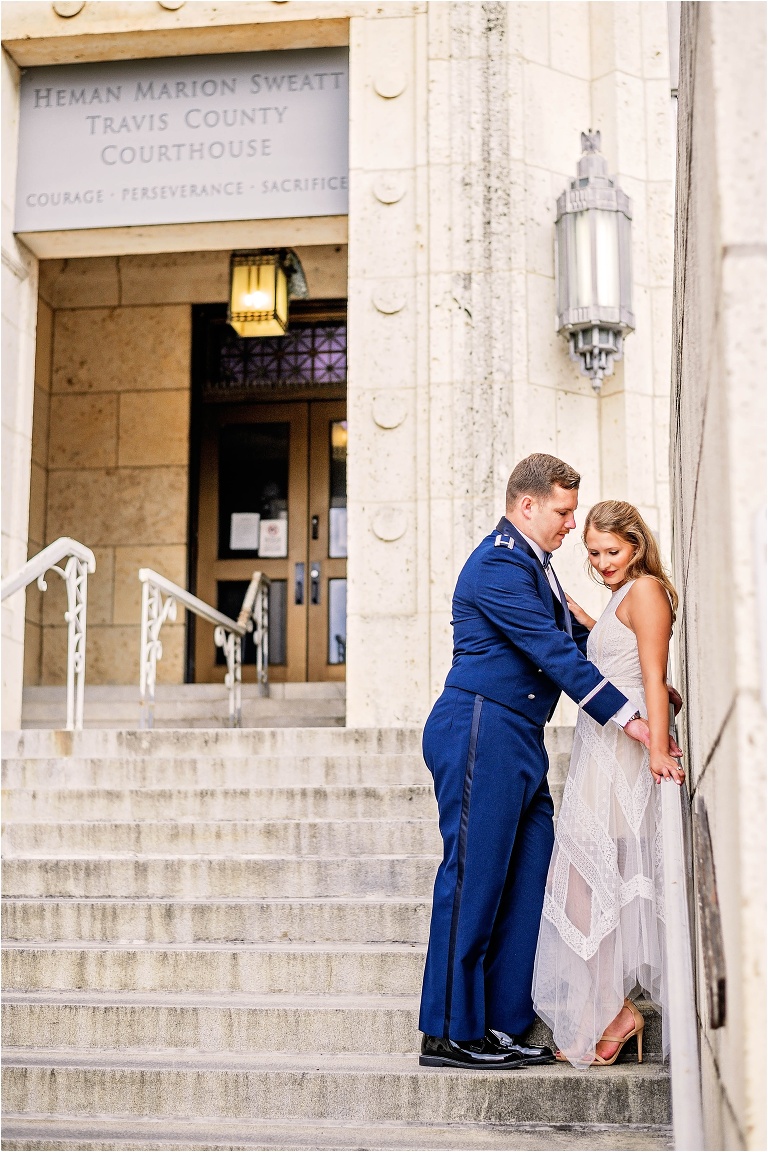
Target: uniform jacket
511 641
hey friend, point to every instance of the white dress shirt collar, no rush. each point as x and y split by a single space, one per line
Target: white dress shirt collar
540 553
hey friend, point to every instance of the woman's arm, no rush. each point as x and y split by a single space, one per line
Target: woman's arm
646 610
579 614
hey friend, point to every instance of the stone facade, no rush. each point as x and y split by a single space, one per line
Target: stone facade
465 121
718 477
452 280
465 124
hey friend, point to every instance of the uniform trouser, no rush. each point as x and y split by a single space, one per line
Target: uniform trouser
490 771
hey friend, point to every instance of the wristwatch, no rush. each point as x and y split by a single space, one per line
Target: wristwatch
637 716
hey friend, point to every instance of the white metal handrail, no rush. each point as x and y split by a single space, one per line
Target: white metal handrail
159 598
256 609
75 575
685 1070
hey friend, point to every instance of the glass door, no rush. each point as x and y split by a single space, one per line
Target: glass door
252 516
273 498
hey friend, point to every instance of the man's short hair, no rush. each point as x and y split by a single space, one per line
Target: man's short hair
537 475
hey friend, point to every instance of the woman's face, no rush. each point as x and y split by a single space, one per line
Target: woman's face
610 556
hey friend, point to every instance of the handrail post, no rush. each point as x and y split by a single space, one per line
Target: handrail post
231 645
261 637
75 576
254 615
154 612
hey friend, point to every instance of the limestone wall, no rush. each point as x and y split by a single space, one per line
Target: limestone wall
115 470
465 126
718 474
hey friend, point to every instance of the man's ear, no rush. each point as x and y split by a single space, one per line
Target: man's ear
525 504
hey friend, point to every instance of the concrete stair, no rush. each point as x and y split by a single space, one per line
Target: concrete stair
215 939
191 706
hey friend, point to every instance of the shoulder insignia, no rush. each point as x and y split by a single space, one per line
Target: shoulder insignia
504 540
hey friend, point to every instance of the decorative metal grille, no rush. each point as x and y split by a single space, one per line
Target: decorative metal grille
311 355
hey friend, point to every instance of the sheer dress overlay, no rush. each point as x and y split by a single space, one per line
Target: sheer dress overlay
602 928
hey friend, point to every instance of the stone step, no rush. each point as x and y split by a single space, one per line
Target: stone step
341 1089
218 876
333 968
215 709
164 693
190 706
214 772
317 717
363 919
246 1022
289 714
340 802
263 837
84 1133
241 743
238 1021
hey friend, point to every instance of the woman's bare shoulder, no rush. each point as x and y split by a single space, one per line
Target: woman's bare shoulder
648 595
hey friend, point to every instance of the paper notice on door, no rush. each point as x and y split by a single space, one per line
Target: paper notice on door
273 538
244 531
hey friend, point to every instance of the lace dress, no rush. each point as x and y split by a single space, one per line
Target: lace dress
602 928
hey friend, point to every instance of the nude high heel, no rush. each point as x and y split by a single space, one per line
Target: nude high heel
600 1062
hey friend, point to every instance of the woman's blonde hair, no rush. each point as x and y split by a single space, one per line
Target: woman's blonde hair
624 521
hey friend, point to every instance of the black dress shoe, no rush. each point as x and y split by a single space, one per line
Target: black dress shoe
505 1044
437 1052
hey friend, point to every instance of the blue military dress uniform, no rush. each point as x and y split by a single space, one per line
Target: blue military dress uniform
516 648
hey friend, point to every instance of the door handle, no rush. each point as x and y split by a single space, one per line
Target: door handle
299 584
315 527
314 583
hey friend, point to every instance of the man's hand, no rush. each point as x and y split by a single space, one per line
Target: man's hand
639 730
675 698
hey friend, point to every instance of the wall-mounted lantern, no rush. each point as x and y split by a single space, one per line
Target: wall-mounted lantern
260 287
593 262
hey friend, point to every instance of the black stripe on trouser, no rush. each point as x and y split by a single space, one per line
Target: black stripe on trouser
463 825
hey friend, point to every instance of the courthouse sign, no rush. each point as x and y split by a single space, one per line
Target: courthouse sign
252 136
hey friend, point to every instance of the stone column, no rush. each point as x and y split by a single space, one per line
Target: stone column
19 315
388 369
471 236
429 322
718 480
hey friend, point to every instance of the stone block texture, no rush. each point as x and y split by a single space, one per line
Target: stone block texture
465 124
259 971
452 299
718 482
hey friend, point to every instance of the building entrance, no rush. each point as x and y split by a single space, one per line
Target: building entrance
271 492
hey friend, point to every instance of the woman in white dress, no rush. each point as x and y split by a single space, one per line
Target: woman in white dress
602 928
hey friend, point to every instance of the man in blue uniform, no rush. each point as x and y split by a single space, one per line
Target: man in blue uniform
516 647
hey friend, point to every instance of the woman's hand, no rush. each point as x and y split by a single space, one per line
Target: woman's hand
663 766
579 614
